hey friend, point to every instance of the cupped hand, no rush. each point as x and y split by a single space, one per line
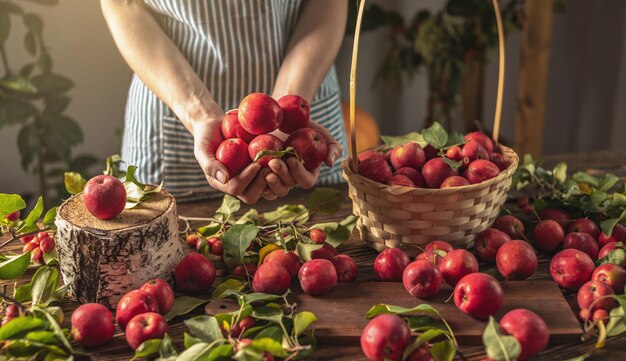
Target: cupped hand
248 186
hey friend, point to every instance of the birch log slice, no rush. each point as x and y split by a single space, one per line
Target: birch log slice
101 260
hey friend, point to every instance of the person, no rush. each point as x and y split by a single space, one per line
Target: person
195 59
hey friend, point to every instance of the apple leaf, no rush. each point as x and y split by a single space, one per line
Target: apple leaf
443 350
398 310
14 267
499 346
44 284
325 200
560 172
49 217
238 238
403 139
337 233
424 337
301 321
113 166
266 344
267 313
74 182
229 206
30 222
451 163
10 203
608 224
231 284
304 250
616 256
617 322
205 328
21 325
274 153
210 229
287 213
183 305
436 135
454 138
147 349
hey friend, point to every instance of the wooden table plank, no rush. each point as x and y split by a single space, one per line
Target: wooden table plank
615 347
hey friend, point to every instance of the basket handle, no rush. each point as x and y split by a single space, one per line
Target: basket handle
354 164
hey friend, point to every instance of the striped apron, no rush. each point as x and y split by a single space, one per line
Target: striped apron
236 47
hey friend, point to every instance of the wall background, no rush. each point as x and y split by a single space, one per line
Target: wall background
586 95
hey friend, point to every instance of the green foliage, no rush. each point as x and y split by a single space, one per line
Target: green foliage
35 99
499 346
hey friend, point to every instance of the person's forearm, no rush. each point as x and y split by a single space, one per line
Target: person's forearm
312 48
158 62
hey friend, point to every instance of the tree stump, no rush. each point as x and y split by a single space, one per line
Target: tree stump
101 260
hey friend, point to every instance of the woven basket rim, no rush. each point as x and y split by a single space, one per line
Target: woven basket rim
396 189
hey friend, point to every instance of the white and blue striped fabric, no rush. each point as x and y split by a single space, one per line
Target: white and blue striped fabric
236 47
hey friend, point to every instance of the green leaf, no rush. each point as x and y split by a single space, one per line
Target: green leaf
286 213
44 283
210 229
451 163
304 250
436 135
10 203
238 238
56 328
583 177
337 233
274 153
302 320
273 332
74 182
403 139
19 326
560 172
425 322
30 222
189 340
221 352
270 345
229 206
147 349
113 166
22 293
271 314
42 337
15 111
14 266
231 284
27 143
443 350
617 322
251 216
49 217
167 347
19 84
499 346
198 352
455 138
205 328
398 310
184 305
56 104
67 128
325 200
52 83
607 182
608 224
616 256
250 298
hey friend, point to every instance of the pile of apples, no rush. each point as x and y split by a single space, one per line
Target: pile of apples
279 267
410 165
38 244
259 124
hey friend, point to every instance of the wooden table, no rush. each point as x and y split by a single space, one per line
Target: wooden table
615 347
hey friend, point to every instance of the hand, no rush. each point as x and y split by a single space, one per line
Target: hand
286 175
247 186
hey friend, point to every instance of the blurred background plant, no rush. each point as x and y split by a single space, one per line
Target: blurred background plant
450 45
34 98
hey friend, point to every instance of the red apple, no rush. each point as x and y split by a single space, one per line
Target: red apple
407 155
232 129
346 268
422 279
233 153
498 159
455 153
47 245
583 242
528 328
317 276
439 245
400 180
611 274
474 150
456 264
376 169
390 264
261 143
271 277
584 225
296 112
259 114
619 232
144 327
608 248
548 235
368 154
510 225
603 239
430 256
481 170
481 138
287 259
593 296
516 260
430 152
317 236
561 216
435 171
92 324
454 181
600 315
194 274
132 304
244 270
104 196
571 268
488 242
385 337
326 252
12 217
413 175
479 295
162 293
310 145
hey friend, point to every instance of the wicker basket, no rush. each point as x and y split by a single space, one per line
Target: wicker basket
397 216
